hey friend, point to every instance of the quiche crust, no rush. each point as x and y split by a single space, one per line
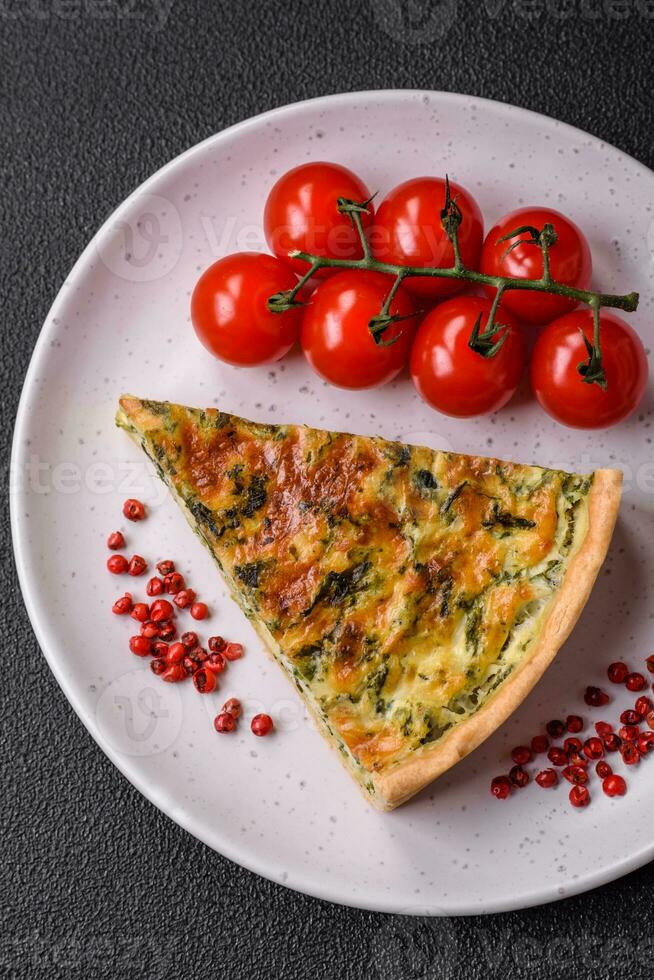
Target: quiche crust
413 597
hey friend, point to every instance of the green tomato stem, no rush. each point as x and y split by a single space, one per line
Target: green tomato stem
628 303
488 342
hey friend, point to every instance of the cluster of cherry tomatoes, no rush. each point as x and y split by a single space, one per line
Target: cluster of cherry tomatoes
232 317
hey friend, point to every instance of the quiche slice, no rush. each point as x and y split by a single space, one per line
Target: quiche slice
413 597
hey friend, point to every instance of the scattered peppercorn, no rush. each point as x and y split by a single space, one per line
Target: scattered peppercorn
518 776
593 748
614 786
233 651
579 796
547 778
224 722
134 510
618 672
199 610
216 662
636 682
555 729
521 755
123 605
137 565
263 724
575 774
154 586
167 630
204 680
173 583
140 645
140 612
603 769
645 743
162 610
233 707
630 754
117 564
558 756
611 742
176 653
501 787
596 697
184 598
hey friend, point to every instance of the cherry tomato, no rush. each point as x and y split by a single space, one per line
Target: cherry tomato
230 313
570 262
559 387
301 213
335 336
455 379
408 231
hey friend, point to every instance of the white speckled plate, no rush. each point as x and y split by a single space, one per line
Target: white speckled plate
283 806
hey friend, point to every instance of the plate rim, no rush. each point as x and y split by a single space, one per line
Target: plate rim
51 650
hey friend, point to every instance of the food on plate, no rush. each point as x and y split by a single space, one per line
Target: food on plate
335 334
450 375
414 597
116 541
134 510
230 312
509 251
425 241
184 659
580 758
408 231
563 345
261 725
117 564
302 213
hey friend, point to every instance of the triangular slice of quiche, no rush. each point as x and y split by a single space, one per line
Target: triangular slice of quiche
413 597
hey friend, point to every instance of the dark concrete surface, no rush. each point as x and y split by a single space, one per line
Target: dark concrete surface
94 96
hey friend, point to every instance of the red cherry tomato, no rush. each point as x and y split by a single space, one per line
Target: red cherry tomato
408 231
570 262
455 379
559 387
301 213
230 313
335 336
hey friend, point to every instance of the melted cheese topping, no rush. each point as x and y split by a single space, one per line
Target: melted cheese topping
398 586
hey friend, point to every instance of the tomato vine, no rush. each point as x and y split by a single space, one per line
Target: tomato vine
485 342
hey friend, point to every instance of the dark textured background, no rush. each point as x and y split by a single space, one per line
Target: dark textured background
93 99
